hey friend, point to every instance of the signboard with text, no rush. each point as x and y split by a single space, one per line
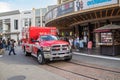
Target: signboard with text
76 5
60 10
87 4
66 8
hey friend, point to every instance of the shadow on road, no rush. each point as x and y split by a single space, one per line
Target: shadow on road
20 77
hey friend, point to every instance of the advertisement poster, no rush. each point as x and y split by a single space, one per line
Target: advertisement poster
60 10
87 4
66 8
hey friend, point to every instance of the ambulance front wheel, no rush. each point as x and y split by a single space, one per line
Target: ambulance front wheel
40 58
27 53
68 59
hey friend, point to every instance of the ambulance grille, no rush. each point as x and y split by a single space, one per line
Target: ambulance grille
60 47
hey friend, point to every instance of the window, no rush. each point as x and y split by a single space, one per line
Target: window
25 22
48 38
29 22
16 24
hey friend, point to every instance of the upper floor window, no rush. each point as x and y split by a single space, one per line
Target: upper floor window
27 22
16 24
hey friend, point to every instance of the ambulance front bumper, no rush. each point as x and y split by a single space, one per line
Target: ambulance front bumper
58 55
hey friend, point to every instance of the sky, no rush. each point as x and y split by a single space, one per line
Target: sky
9 5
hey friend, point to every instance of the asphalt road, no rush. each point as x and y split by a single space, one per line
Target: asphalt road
19 67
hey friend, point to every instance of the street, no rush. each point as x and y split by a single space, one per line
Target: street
20 67
61 40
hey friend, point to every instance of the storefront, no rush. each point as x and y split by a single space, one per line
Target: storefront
109 39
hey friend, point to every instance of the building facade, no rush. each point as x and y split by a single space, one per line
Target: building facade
82 17
10 26
12 22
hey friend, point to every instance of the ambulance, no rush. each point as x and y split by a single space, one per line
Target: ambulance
44 44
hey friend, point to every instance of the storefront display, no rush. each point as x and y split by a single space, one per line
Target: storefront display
106 37
109 40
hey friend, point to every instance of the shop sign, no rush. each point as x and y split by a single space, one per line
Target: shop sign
93 2
66 8
60 10
87 4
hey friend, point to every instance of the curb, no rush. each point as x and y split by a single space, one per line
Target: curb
97 56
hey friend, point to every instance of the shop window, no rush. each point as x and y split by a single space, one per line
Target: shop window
106 37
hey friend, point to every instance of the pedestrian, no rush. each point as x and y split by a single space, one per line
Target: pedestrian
8 44
71 41
4 43
89 47
66 39
12 45
81 44
85 40
76 44
1 49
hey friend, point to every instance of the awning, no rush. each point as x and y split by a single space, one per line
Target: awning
107 28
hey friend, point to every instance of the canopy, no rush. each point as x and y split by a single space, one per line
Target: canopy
107 28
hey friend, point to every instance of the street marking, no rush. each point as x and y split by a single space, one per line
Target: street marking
97 56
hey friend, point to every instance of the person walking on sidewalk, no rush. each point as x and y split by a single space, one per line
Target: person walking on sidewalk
1 49
81 44
89 46
8 44
12 45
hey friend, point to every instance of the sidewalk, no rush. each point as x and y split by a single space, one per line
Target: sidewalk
95 52
112 62
98 56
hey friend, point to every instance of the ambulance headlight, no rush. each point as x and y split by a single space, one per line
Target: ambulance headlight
46 48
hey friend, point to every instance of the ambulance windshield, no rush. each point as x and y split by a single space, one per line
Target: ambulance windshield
48 38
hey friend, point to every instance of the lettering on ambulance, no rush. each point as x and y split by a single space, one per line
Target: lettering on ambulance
53 32
93 2
27 47
35 49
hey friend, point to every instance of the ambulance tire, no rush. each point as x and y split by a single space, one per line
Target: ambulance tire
40 58
68 59
24 49
27 53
